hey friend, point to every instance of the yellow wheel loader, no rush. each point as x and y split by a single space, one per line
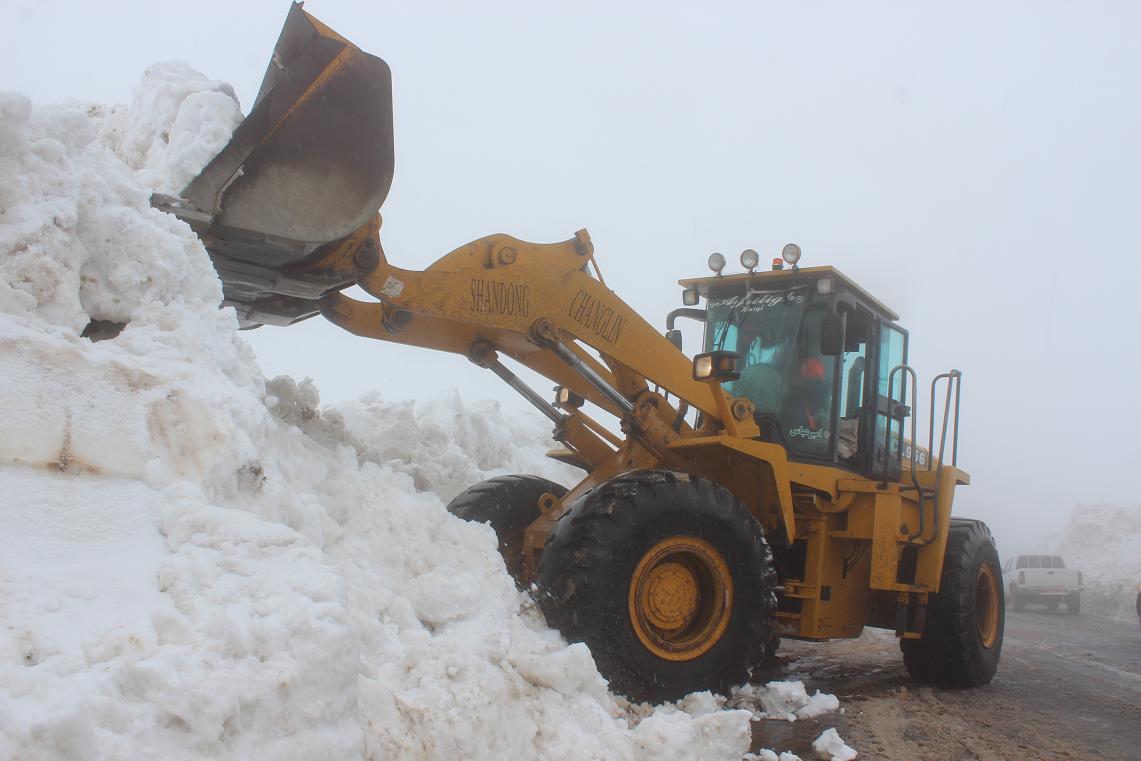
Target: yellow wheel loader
772 486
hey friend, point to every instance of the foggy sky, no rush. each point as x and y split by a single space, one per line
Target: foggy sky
974 166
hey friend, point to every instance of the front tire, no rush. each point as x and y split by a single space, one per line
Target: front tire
509 504
962 639
667 578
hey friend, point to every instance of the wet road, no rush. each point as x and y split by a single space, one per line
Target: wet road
1068 687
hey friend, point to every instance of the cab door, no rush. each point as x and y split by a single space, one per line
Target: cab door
891 352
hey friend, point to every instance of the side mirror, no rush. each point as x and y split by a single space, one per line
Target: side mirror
674 337
832 335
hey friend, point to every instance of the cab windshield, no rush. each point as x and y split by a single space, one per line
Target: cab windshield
777 334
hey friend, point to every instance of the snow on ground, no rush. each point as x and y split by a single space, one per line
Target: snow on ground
1104 543
199 563
788 701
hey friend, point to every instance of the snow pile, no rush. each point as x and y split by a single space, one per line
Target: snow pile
196 563
787 701
1104 543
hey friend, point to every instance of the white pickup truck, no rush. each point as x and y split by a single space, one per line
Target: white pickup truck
1042 579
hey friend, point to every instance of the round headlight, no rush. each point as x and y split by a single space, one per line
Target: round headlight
716 263
749 259
791 253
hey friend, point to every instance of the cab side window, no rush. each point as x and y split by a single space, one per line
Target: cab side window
1021 561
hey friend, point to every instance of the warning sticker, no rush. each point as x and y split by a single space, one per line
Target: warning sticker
392 287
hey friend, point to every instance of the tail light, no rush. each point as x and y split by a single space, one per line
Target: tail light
1080 579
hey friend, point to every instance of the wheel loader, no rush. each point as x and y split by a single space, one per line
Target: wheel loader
771 486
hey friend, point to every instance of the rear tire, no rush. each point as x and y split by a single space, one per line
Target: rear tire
1016 601
962 639
509 504
667 578
1073 603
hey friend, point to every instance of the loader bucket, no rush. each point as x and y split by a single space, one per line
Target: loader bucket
310 165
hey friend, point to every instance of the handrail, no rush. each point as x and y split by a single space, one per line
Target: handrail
954 378
901 410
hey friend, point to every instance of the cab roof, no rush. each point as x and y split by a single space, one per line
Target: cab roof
786 278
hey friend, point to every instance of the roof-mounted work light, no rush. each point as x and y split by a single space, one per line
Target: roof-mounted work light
750 259
790 253
716 263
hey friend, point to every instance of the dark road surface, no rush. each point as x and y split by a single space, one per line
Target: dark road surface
1068 687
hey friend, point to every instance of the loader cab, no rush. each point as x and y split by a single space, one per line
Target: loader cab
816 353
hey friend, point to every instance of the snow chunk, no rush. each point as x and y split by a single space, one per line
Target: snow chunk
178 120
829 746
765 754
784 700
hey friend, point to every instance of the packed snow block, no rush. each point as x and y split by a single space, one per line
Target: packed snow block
66 412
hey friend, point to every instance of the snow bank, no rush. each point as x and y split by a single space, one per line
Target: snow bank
1104 543
197 563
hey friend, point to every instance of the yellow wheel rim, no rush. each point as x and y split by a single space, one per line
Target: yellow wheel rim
988 612
681 597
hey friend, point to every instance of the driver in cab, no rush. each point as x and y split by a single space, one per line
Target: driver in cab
808 407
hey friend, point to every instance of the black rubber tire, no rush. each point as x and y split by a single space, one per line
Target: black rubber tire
951 653
1016 601
509 504
1074 603
769 657
589 560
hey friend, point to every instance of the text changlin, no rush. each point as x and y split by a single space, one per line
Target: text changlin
592 313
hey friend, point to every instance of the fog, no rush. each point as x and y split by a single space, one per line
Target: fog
975 167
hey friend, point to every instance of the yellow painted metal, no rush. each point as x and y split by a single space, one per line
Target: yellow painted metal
886 539
765 463
680 598
500 283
